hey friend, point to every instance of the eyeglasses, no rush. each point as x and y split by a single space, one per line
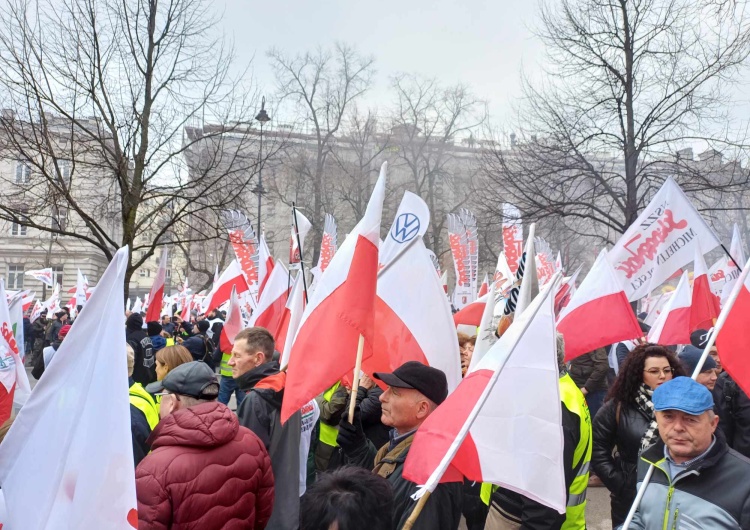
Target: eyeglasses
165 393
656 371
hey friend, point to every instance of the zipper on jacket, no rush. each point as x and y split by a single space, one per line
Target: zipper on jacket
669 502
674 521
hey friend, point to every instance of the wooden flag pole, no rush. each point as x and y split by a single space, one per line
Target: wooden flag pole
355 379
415 513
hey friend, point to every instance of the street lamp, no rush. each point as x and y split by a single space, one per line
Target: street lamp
262 117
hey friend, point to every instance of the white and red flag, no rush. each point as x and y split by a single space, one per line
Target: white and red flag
43 275
485 287
233 325
245 245
300 230
733 328
265 264
343 307
36 312
503 424
672 326
405 331
660 241
222 288
156 295
295 308
471 315
566 291
272 303
14 381
85 478
704 308
598 314
512 236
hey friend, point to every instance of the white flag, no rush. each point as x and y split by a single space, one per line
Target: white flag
69 449
81 288
660 242
43 275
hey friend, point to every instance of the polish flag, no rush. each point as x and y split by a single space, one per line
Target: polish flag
85 478
185 316
265 264
673 324
503 424
732 271
295 308
485 287
156 295
272 302
222 288
704 308
598 314
566 291
471 314
734 333
342 306
233 325
405 331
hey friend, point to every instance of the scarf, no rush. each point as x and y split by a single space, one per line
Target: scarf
643 400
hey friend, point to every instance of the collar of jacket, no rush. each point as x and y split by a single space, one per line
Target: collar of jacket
386 461
655 454
249 379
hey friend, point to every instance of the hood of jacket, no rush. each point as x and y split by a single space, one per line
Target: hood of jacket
205 425
134 322
267 381
249 379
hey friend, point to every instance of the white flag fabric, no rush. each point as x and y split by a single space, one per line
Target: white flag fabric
12 372
81 288
672 326
411 222
486 337
138 305
303 227
43 275
530 281
503 424
659 242
295 307
732 271
69 449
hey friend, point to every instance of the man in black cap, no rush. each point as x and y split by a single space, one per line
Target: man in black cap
414 391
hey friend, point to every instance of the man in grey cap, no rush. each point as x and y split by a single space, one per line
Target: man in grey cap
414 392
698 481
204 470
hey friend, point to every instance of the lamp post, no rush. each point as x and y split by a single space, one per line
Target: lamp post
262 117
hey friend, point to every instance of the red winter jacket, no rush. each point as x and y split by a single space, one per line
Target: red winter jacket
205 472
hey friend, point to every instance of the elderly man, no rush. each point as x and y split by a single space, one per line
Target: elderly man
205 470
414 391
698 482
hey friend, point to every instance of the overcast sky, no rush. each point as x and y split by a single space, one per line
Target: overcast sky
482 43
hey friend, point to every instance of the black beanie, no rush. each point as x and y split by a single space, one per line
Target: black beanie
203 326
153 328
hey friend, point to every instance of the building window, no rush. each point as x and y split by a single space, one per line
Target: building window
23 172
144 273
59 218
65 170
169 273
57 274
15 276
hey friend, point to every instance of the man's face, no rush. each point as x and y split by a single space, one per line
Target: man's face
165 320
244 359
686 436
404 409
63 317
467 351
714 353
708 378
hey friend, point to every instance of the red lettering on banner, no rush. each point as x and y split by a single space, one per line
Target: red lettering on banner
244 251
513 247
718 276
647 249
459 256
9 338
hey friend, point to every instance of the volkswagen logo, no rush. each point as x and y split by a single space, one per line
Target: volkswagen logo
405 228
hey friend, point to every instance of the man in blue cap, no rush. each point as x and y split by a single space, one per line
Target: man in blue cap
698 481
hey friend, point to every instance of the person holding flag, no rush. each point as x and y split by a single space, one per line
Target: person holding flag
414 392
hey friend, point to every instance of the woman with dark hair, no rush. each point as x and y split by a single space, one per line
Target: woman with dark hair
626 423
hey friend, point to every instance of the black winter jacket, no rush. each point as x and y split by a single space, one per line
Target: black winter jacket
618 472
260 412
372 410
733 408
144 369
442 511
590 370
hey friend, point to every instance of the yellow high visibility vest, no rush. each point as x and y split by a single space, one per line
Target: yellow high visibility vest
143 401
575 511
329 433
224 367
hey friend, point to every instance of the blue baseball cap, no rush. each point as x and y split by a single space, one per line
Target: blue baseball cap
683 394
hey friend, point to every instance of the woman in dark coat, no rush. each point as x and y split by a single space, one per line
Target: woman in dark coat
626 424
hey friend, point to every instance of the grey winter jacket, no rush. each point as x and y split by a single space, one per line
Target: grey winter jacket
712 494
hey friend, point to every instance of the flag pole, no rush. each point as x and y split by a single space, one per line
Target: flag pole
355 379
706 351
415 512
299 246
730 256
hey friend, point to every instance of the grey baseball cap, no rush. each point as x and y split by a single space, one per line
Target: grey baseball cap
189 379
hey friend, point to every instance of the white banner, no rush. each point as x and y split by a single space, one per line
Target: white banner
660 241
43 275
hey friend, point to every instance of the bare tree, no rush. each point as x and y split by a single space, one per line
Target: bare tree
322 85
98 94
427 121
627 84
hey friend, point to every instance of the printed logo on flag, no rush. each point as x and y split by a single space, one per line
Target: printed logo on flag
405 228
